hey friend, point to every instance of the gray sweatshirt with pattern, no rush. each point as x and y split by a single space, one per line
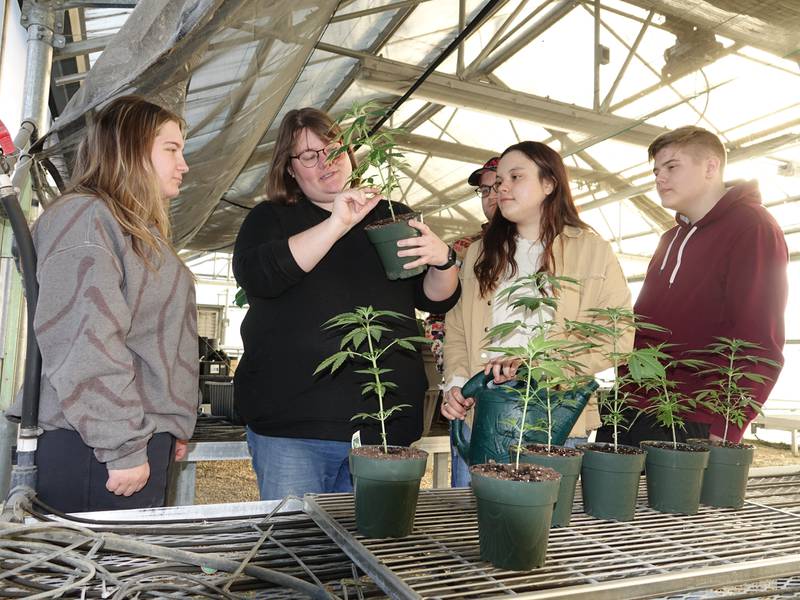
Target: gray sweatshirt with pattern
118 341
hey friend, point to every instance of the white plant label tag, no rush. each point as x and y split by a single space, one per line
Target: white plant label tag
355 441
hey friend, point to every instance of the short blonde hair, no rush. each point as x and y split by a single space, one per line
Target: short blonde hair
689 136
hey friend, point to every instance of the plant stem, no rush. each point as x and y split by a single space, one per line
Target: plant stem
549 421
616 381
378 387
540 311
728 402
525 402
383 187
672 425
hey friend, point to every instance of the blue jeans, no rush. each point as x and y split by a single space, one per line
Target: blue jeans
572 442
459 469
296 466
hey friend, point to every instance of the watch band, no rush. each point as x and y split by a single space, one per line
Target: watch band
452 257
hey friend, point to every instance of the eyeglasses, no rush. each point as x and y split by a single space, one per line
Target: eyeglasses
484 190
310 158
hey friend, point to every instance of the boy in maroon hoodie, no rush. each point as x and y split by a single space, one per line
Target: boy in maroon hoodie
720 272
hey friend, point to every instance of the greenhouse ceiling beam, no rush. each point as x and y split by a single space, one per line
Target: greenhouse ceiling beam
552 17
431 109
393 77
99 4
357 14
387 32
735 155
441 195
472 154
663 82
60 95
747 30
500 36
658 218
73 49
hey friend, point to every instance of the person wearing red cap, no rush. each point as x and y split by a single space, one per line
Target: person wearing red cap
483 180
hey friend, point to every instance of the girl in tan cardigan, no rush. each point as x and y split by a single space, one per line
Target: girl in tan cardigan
536 227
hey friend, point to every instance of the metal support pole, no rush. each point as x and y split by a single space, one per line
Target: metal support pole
597 51
39 16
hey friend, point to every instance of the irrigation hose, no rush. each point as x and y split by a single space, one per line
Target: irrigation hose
68 534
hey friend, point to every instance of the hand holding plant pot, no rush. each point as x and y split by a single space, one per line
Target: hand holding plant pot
386 478
730 366
378 167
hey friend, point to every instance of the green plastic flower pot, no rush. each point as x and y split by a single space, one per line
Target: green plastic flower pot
514 520
610 481
725 478
570 468
386 491
675 477
385 236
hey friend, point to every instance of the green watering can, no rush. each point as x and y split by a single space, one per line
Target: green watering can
496 408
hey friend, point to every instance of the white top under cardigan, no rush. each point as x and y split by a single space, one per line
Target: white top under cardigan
529 258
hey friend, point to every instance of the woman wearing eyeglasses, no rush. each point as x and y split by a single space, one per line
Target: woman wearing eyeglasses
536 228
303 257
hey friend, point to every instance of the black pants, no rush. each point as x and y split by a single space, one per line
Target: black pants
71 479
645 427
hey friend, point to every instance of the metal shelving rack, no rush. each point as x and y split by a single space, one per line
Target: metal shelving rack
657 554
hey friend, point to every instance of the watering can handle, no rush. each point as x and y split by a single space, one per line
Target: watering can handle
457 439
477 383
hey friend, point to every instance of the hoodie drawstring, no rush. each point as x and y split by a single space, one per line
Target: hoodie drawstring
680 254
669 248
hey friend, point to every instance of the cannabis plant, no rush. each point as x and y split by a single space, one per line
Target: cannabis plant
364 341
664 401
728 394
611 325
545 361
381 154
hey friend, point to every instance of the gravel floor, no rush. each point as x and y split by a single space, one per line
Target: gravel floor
234 481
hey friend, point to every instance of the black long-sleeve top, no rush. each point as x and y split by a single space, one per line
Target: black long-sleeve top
276 391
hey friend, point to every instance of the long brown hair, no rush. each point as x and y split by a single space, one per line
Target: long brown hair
281 186
557 212
113 163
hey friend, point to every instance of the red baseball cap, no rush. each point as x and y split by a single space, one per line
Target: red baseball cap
491 165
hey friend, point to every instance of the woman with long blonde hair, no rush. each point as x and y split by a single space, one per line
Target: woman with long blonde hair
116 318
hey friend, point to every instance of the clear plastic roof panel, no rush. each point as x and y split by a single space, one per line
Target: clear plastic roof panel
597 87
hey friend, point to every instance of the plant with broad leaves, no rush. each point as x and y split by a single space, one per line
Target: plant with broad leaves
610 325
381 153
545 362
728 394
365 341
664 401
